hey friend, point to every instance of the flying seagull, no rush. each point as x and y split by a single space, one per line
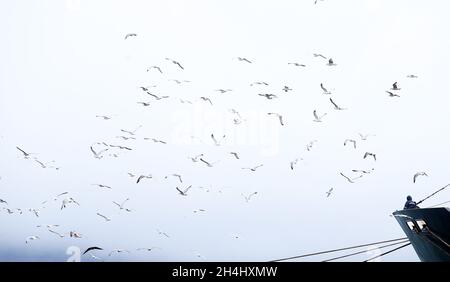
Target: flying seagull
280 117
363 171
98 155
297 64
248 197
319 55
223 90
155 140
157 97
392 94
217 143
163 233
395 86
286 89
131 132
103 117
185 101
154 67
74 234
411 76
365 136
350 141
176 63
325 91
142 177
268 96
293 163
126 138
367 154
310 145
31 238
122 204
3 201
207 163
175 175
336 107
130 35
241 59
317 118
67 201
121 147
147 249
418 174
259 83
25 154
196 158
54 232
118 251
92 249
179 81
348 178
105 217
206 99
331 63
235 155
329 192
183 192
145 104
102 186
253 168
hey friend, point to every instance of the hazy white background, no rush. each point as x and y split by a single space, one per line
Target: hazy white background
64 62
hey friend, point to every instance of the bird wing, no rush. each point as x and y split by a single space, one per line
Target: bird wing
281 119
178 189
91 249
349 180
323 88
187 189
23 152
205 162
177 63
315 114
332 102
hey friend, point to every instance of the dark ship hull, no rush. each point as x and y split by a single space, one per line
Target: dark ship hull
428 230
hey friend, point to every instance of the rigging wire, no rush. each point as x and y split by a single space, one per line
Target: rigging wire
368 250
433 194
337 250
393 250
439 204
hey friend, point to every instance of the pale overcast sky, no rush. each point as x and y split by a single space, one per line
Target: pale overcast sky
65 62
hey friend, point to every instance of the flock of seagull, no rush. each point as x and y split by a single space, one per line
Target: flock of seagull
101 150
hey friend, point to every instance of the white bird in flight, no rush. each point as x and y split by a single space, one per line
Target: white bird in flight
253 168
130 35
318 118
325 91
350 141
368 154
248 197
104 217
175 175
241 59
336 107
176 63
280 117
419 174
31 238
121 206
183 192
